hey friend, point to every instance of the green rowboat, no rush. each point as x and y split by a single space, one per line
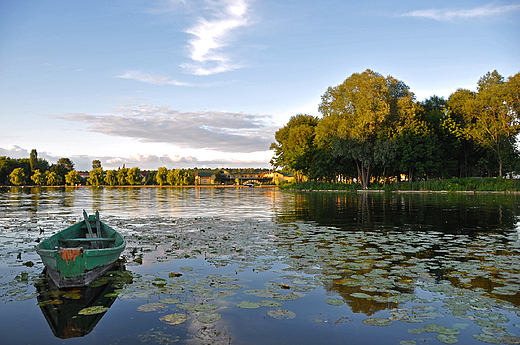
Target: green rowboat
81 253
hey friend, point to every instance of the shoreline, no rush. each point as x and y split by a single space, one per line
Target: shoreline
145 186
361 191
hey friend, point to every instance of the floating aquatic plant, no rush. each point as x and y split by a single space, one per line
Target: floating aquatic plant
92 310
248 305
377 322
281 314
209 317
151 307
173 319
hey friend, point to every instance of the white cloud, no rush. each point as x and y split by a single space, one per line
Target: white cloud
214 130
14 151
147 78
448 14
213 35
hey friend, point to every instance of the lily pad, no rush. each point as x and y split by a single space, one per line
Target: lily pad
281 314
509 339
447 338
334 301
205 307
487 338
93 310
376 321
270 304
248 305
289 297
173 319
187 306
209 317
151 307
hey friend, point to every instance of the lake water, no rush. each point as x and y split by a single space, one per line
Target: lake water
264 266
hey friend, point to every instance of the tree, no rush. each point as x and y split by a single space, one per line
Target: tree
294 146
52 178
133 176
173 177
17 176
96 163
121 176
162 176
66 163
72 177
111 178
492 114
62 167
33 159
360 114
37 177
96 176
417 150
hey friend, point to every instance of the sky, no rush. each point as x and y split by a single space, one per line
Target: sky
207 83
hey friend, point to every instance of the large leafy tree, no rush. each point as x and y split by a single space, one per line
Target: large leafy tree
294 147
111 178
121 176
37 177
17 176
133 176
161 176
96 176
52 179
492 114
72 178
62 167
362 113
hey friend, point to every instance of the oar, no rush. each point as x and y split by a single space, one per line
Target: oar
98 225
87 222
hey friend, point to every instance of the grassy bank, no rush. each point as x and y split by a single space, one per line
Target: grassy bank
450 185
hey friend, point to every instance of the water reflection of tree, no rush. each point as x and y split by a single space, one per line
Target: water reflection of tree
455 213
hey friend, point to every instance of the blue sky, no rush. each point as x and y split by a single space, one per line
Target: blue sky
199 83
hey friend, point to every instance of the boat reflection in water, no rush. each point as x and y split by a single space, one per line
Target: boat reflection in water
61 307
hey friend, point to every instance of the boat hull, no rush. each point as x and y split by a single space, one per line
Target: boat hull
72 260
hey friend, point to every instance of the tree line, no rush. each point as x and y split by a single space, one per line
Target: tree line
38 171
372 128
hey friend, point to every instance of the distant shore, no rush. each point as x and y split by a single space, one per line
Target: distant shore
145 186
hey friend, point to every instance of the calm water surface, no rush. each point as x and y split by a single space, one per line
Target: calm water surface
262 266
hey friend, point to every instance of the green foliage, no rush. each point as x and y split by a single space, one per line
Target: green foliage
294 147
17 176
37 177
372 126
72 178
178 177
133 176
111 178
96 177
162 176
96 163
33 159
121 176
361 115
491 120
52 179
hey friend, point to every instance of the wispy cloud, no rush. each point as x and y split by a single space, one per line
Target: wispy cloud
151 79
212 35
214 130
450 14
